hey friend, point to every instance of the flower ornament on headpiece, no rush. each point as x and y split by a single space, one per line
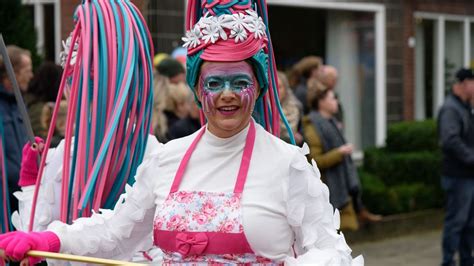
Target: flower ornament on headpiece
232 31
237 26
66 50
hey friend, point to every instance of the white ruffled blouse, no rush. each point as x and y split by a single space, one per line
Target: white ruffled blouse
284 203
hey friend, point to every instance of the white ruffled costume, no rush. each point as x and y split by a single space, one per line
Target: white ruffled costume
283 200
48 205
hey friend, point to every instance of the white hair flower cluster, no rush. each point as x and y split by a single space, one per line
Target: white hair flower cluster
66 50
235 26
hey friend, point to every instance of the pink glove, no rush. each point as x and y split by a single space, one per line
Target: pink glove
17 244
29 163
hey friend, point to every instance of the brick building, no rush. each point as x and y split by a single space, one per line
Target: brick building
396 57
53 21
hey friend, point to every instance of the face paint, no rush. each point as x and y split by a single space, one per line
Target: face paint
236 78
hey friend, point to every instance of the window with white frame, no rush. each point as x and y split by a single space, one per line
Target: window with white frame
444 43
47 20
370 42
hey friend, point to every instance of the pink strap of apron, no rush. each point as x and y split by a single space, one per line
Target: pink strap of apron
246 158
244 164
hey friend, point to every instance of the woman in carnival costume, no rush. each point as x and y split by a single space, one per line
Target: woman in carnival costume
230 193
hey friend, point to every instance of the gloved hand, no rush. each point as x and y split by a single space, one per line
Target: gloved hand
16 244
29 162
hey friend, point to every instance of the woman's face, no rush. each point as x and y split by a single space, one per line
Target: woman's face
329 103
24 73
227 92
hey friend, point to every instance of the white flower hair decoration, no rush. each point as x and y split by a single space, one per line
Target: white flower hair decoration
209 29
66 50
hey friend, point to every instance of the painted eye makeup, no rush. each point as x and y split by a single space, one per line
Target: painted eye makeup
213 84
242 83
235 83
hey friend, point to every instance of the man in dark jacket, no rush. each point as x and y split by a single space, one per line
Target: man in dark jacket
456 133
14 131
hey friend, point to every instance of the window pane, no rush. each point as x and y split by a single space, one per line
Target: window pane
350 48
165 19
453 51
425 58
48 31
472 45
345 40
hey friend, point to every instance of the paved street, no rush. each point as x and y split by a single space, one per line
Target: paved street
422 249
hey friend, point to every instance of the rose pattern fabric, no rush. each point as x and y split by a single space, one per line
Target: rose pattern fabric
199 211
218 260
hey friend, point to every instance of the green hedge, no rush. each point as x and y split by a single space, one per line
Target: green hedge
383 199
403 168
405 175
412 136
375 195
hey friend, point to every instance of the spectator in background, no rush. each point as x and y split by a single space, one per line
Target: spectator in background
329 77
41 96
173 70
189 124
305 69
456 133
176 107
22 65
168 71
60 127
333 157
14 130
292 108
158 58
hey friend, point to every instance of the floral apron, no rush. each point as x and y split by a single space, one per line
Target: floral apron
197 227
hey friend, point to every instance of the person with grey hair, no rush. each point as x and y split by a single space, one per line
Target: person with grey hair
329 77
14 129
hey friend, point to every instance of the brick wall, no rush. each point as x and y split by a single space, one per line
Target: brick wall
394 28
165 20
67 11
408 61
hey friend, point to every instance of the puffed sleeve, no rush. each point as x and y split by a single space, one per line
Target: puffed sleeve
118 233
313 218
